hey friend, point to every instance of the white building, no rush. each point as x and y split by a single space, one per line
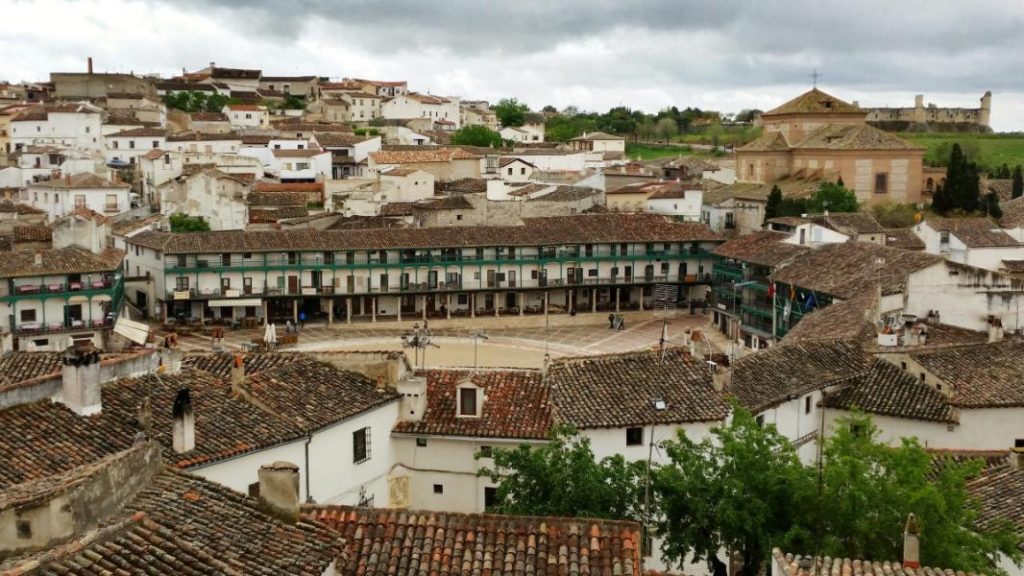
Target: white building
60 196
976 242
412 105
598 142
77 126
247 116
515 170
217 197
684 202
127 146
405 185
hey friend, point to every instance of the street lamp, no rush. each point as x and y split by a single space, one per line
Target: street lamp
476 339
659 405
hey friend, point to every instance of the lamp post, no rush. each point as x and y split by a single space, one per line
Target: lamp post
659 405
476 340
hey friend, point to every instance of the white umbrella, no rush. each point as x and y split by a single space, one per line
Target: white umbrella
273 333
266 333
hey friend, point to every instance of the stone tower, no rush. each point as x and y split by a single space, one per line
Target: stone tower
986 109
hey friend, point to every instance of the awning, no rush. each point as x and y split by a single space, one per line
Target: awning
101 298
78 299
242 302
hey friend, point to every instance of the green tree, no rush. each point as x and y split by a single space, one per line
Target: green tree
562 478
869 488
1018 182
293 102
646 129
891 215
511 112
476 135
773 209
666 129
186 223
991 204
216 102
833 197
962 190
747 115
739 490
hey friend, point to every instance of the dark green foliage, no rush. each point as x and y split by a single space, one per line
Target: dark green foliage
992 205
195 101
962 189
832 197
476 135
1018 182
186 223
561 478
793 207
1003 172
773 209
742 490
293 102
511 112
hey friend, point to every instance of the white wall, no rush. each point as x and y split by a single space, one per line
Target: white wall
334 477
979 429
688 207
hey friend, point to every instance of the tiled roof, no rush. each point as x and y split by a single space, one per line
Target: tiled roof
287 78
339 139
382 542
33 233
219 365
847 269
1013 213
1013 266
236 73
289 187
974 232
983 376
140 132
209 117
182 524
597 136
564 194
128 226
70 260
314 394
847 320
307 153
763 248
80 180
856 137
1000 492
903 238
462 186
852 223
554 230
420 156
815 101
1003 187
768 378
517 405
203 137
617 390
153 239
16 367
886 390
226 425
828 566
770 142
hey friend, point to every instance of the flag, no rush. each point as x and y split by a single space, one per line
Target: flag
811 302
771 290
792 292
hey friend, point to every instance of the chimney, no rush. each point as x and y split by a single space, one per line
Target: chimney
1017 456
911 544
89 64
720 377
279 490
805 565
170 360
81 390
237 372
38 258
414 398
184 422
995 329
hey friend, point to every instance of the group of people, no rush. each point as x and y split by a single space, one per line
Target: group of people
616 322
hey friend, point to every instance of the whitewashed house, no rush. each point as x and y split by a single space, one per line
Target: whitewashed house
413 105
217 197
60 196
75 125
976 242
127 146
515 170
405 184
247 116
683 202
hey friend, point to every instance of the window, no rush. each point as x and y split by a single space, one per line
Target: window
921 376
881 183
509 171
181 284
156 144
361 445
903 365
111 205
490 498
760 420
458 216
467 402
522 171
24 528
807 404
28 315
302 165
438 488
115 145
634 436
182 261
225 259
421 442
486 451
248 116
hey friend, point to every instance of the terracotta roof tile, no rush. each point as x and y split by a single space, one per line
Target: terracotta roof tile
974 232
828 566
763 248
70 260
903 238
517 405
80 180
856 137
421 156
815 101
617 390
983 376
379 542
886 390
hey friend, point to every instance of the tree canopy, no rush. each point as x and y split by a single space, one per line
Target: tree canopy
961 191
832 196
196 101
186 223
773 209
1018 182
511 112
476 135
562 478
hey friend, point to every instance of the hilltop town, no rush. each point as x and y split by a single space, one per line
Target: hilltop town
265 324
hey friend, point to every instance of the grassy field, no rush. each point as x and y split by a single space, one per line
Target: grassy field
649 152
988 150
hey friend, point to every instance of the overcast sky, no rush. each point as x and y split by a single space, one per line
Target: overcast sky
717 54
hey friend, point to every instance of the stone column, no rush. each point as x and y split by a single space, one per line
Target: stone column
348 310
424 306
496 294
295 311
330 311
546 297
448 306
641 299
616 299
593 299
472 305
373 309
521 299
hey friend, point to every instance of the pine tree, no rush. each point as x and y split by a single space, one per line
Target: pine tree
840 182
992 205
1018 183
962 190
773 209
